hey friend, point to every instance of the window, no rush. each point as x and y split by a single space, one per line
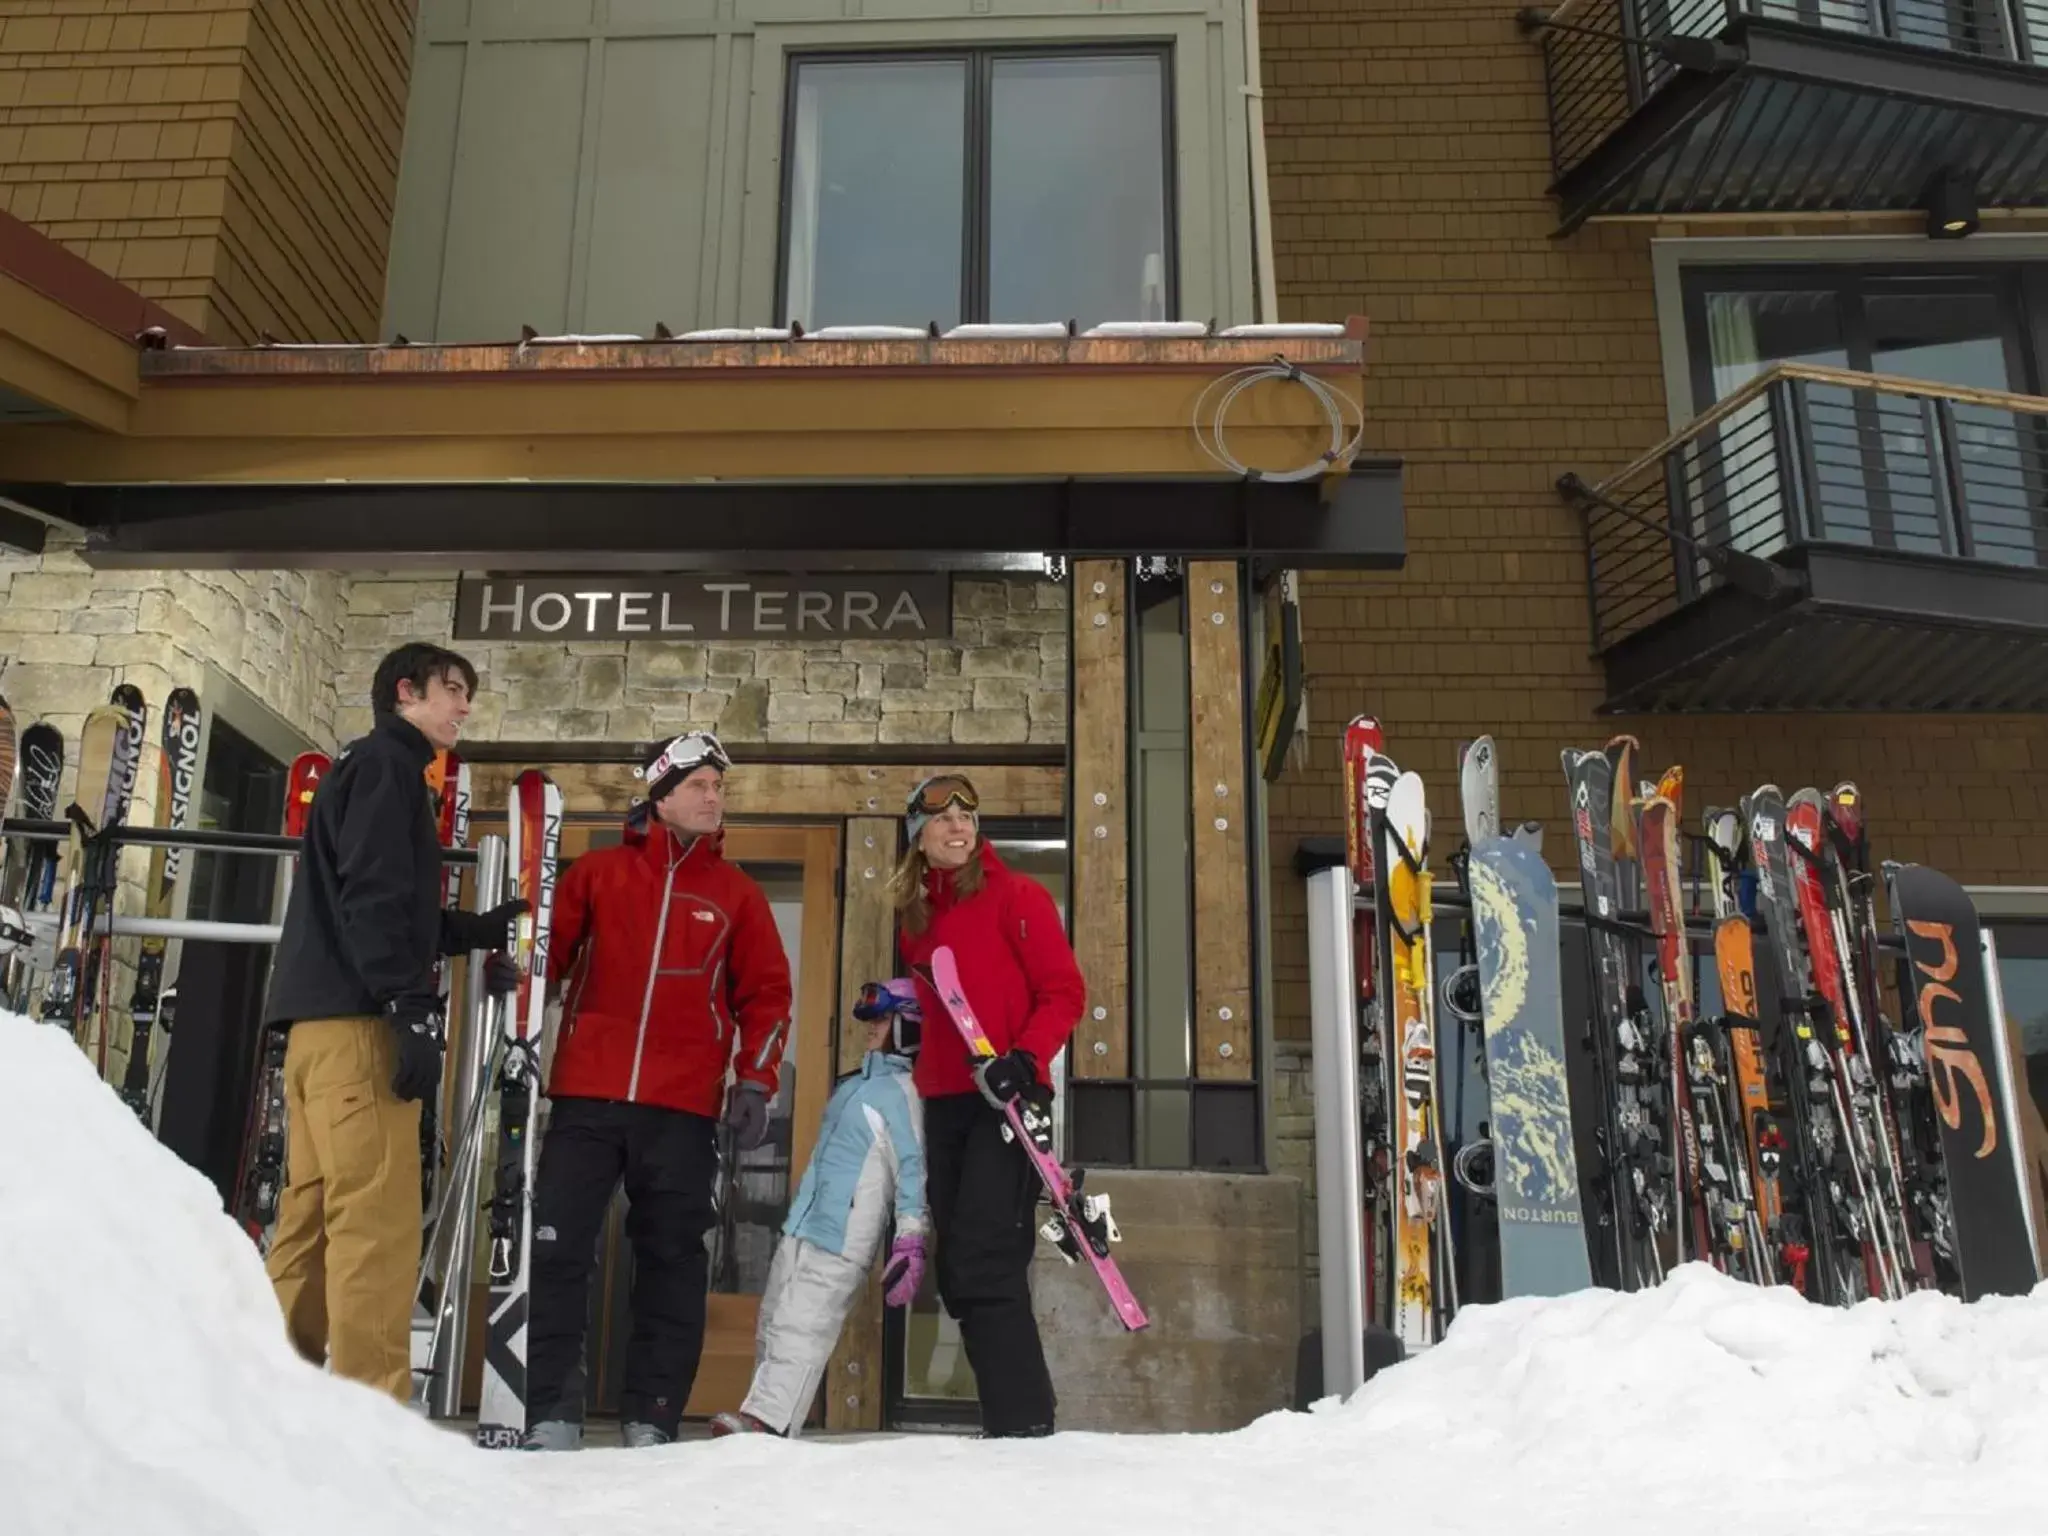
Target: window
1879 470
978 186
2023 976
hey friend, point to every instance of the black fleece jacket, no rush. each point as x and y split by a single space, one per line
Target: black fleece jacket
364 923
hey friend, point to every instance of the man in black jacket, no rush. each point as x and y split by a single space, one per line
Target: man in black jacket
354 982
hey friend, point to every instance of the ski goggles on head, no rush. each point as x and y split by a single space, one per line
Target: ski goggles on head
940 791
895 1001
687 753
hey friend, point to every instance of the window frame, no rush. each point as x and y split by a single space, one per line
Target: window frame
980 62
2022 293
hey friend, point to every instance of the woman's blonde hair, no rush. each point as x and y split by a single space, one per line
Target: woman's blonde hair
907 885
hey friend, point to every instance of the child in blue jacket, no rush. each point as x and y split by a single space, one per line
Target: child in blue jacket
869 1157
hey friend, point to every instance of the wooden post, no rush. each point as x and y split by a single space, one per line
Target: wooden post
1098 747
867 952
1221 813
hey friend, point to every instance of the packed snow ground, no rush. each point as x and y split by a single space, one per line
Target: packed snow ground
146 1387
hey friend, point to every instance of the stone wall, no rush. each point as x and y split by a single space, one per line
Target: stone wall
69 633
1000 679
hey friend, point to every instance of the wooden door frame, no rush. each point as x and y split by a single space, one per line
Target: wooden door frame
857 806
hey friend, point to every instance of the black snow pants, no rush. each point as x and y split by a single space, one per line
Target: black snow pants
983 1193
669 1160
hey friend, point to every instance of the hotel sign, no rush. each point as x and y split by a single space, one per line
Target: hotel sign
868 606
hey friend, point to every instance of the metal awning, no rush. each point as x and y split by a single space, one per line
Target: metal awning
1348 521
1782 117
1872 631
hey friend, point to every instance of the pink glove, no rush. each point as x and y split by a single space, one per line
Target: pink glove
905 1270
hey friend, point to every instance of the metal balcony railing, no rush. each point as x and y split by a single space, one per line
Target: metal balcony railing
1803 456
1617 55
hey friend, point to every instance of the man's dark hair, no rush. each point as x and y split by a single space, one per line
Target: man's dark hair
417 663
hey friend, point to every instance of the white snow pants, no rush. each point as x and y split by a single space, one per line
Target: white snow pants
809 1292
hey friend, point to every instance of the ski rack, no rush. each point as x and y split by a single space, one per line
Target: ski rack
201 838
1311 858
206 840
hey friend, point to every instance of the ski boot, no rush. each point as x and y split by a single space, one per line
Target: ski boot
553 1435
741 1423
639 1436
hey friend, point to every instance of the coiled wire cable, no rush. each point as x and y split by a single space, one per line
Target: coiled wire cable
1340 410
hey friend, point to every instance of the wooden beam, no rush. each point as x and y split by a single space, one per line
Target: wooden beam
786 789
812 1025
294 419
65 361
867 952
1098 728
70 456
1221 814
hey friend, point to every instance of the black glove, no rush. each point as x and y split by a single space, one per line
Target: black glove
1002 1078
466 931
416 1022
746 1113
501 974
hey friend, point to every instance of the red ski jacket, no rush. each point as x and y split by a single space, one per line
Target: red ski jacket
673 968
1016 968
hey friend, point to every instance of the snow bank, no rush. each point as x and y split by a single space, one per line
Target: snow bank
145 1386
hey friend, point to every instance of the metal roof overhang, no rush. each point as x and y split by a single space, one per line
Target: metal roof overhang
1874 630
1347 521
1820 120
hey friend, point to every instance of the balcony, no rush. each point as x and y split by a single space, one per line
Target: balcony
1747 106
1826 540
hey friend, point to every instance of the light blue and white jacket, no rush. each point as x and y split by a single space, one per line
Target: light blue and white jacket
870 1146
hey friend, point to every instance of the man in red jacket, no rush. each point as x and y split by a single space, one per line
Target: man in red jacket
675 974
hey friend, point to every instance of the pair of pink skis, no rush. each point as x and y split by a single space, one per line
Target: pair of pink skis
1080 1224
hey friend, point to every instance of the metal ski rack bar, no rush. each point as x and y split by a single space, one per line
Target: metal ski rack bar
203 838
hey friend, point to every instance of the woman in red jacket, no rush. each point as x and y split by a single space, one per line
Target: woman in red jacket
1019 973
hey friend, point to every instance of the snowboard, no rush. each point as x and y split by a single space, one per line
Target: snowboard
533 846
1479 790
1080 1224
1950 1004
1543 1248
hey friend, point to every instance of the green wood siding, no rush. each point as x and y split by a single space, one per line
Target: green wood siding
594 166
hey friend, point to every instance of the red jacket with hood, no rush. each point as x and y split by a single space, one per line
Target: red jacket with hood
1016 968
674 968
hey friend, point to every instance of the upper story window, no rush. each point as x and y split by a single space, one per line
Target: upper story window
1894 470
1964 326
986 185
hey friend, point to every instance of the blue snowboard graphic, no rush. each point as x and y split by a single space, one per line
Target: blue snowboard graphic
1536 1179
